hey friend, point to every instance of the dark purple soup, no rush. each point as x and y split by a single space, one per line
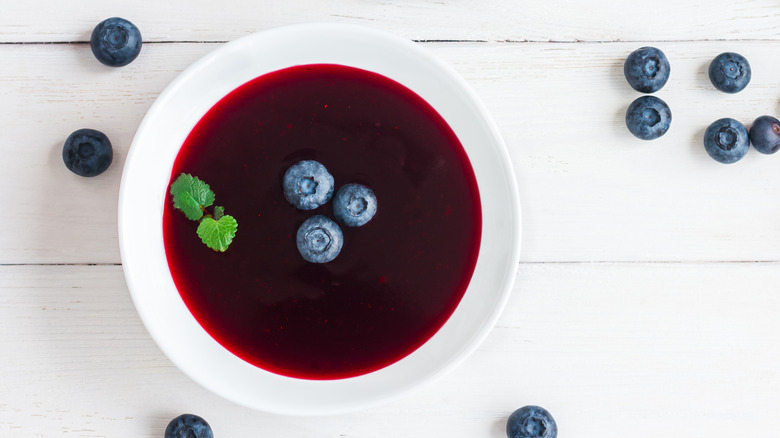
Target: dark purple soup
398 278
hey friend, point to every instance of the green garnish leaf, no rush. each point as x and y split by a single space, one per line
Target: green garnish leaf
218 212
217 234
191 196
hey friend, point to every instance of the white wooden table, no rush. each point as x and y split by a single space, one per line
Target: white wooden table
647 299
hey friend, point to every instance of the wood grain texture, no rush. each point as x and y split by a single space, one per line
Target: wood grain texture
646 304
590 191
649 350
489 20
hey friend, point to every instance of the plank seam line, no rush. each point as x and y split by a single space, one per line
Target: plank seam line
424 41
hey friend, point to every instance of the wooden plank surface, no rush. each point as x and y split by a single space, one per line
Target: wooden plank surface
640 350
646 304
590 191
489 20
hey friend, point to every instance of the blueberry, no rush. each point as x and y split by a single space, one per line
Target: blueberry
307 185
354 205
87 152
726 140
646 69
188 426
765 134
115 42
531 422
319 239
730 72
648 117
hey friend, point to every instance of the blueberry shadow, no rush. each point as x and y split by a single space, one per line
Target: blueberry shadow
616 71
619 122
84 57
55 154
498 428
627 92
704 72
158 423
697 143
703 76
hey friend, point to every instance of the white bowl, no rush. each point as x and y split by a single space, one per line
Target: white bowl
148 169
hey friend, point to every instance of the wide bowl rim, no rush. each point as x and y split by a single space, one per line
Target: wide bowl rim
510 254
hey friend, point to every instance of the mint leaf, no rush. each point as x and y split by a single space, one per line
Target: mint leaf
191 195
217 234
218 212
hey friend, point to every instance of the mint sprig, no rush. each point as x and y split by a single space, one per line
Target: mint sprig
192 197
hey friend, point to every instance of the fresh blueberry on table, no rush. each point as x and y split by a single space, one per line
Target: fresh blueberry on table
765 134
646 69
531 422
726 140
307 185
87 152
354 205
648 117
115 42
188 426
319 239
730 72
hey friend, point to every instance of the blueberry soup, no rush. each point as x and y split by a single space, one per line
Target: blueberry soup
397 278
